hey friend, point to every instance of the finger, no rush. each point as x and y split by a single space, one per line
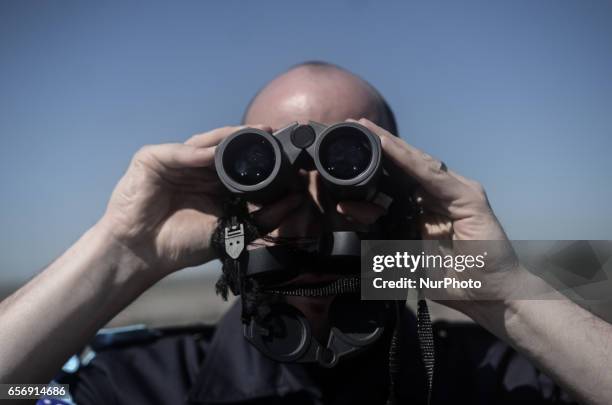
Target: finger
214 137
361 211
199 174
201 184
261 127
426 170
270 216
207 188
436 227
176 156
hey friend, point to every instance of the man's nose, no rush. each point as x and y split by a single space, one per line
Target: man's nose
310 183
305 220
322 205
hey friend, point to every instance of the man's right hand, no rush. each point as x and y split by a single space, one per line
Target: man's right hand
166 206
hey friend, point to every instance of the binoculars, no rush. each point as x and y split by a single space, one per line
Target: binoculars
261 167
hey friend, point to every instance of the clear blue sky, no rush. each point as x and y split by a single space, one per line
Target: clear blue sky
517 94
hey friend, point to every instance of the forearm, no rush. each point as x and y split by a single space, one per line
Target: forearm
57 312
567 342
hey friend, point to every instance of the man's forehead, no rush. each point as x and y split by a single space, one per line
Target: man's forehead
325 96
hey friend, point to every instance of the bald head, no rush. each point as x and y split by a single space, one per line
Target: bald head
319 92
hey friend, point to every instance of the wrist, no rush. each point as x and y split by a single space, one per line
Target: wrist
155 252
499 314
126 258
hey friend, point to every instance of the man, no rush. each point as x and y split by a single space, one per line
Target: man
160 219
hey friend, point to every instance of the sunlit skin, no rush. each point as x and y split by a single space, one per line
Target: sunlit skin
328 95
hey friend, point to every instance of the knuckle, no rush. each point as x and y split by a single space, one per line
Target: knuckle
194 138
385 142
144 152
477 187
427 157
434 165
479 191
144 157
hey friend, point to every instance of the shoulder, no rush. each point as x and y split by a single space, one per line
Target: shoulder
135 364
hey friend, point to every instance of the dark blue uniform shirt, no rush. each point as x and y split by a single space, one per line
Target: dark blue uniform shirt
208 366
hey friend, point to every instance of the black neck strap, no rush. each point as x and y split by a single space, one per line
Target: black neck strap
341 248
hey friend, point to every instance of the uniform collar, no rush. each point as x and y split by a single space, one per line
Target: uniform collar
234 371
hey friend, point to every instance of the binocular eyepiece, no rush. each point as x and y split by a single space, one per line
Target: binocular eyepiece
261 167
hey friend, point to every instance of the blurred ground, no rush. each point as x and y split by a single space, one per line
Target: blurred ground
190 297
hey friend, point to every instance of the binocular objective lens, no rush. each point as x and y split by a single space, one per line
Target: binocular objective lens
249 162
346 155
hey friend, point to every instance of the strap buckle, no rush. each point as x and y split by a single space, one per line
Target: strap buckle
234 240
